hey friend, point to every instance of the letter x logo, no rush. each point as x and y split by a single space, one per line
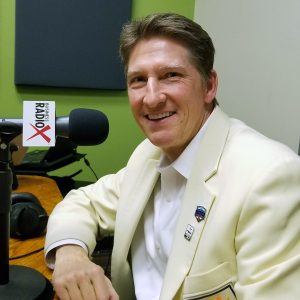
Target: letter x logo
41 133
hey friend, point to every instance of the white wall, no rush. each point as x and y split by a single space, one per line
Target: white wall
258 61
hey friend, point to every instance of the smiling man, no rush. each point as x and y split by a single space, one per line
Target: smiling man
169 98
206 208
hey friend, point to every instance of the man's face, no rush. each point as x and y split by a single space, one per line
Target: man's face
168 96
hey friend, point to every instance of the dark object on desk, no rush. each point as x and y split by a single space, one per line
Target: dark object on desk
67 183
40 162
102 254
43 161
28 218
26 283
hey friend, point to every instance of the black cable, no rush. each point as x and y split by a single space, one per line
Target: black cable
26 254
89 165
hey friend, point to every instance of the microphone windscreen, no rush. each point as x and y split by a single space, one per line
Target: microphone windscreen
88 127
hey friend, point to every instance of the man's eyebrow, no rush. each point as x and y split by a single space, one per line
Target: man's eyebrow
131 74
162 68
171 67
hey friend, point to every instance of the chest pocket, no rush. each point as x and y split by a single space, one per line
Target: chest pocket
216 284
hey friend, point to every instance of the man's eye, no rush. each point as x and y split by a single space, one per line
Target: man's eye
137 80
171 74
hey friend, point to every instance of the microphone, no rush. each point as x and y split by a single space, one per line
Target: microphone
85 127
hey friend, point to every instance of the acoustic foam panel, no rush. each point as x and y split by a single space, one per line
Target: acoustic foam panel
70 43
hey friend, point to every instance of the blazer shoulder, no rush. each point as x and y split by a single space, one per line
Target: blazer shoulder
246 144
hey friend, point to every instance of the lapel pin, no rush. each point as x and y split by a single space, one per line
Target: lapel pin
200 213
189 232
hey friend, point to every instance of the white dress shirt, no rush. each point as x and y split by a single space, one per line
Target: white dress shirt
152 242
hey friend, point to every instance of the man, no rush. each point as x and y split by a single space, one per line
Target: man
206 208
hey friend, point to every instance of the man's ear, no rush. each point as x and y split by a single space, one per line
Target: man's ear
211 87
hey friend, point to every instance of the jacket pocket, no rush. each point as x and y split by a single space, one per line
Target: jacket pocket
216 283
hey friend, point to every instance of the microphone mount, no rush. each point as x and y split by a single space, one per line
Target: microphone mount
16 282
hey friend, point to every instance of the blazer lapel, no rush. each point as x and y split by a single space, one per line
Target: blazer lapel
196 194
130 209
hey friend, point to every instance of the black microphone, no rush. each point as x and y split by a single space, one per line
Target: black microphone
85 127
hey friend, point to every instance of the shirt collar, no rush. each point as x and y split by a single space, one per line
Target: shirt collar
184 163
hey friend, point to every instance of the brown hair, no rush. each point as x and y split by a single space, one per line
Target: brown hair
174 26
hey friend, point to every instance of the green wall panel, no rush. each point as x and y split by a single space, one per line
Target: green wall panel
124 133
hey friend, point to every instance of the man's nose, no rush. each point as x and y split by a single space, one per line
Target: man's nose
154 95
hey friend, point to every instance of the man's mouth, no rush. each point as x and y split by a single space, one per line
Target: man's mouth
160 116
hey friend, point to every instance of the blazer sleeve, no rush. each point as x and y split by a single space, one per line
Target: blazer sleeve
86 213
268 235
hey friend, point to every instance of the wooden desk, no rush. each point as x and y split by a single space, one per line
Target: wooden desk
46 190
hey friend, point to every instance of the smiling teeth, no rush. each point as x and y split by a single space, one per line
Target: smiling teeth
160 116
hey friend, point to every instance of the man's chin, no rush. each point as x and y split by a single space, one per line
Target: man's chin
161 142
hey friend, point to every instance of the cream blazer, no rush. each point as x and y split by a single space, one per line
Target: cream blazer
246 247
